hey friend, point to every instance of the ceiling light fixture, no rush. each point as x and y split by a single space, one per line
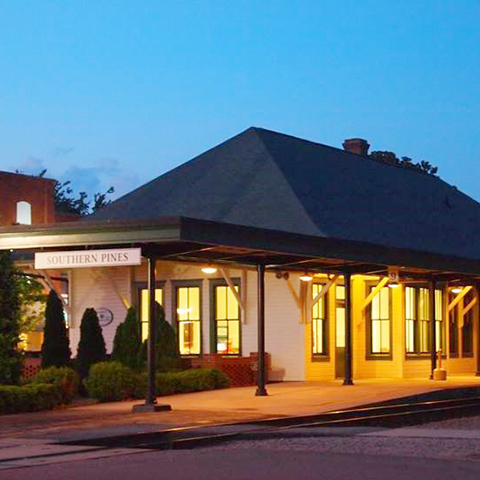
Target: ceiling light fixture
306 277
456 290
209 269
393 284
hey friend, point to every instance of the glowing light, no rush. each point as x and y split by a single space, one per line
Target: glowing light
306 277
393 284
209 270
456 290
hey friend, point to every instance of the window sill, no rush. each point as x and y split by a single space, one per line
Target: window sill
379 356
320 358
418 356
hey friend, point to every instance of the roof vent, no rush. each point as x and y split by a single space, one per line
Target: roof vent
356 145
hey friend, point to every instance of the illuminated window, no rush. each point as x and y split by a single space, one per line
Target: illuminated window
453 327
188 318
226 320
379 324
467 328
144 306
24 213
319 323
417 320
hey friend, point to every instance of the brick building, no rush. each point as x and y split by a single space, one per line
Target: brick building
25 199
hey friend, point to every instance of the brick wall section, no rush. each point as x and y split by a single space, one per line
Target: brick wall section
242 371
37 191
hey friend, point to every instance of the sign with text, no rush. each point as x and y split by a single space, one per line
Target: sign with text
88 258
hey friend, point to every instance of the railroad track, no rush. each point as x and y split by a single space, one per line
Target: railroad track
387 416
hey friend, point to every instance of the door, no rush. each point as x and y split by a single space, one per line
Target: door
340 332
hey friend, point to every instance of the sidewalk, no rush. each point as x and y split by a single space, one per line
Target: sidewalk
214 407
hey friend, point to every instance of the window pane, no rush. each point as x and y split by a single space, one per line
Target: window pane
194 303
385 337
221 299
182 303
340 314
340 292
410 336
376 335
233 307
409 303
144 306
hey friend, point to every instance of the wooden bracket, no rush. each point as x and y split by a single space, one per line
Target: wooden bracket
296 297
322 292
457 299
49 283
372 294
124 300
231 286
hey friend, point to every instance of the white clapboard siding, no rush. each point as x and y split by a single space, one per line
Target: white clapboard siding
91 289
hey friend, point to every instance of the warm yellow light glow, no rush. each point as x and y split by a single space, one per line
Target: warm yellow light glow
209 270
306 277
393 284
457 290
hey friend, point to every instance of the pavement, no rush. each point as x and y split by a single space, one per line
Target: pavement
33 438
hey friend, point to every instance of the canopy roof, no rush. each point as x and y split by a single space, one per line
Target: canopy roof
264 197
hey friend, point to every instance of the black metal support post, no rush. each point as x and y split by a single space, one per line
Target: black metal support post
261 372
433 329
152 330
477 293
151 397
348 330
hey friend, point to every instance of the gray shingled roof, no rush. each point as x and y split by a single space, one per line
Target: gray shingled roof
265 179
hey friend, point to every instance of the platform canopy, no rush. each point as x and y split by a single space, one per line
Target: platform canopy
288 203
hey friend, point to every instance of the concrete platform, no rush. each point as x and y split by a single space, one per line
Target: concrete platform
218 406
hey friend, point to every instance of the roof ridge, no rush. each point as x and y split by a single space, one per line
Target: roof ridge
286 180
341 150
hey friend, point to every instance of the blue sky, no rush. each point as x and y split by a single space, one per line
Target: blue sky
116 93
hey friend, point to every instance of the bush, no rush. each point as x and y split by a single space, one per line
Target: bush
193 380
29 398
91 348
127 342
55 348
63 377
166 347
108 381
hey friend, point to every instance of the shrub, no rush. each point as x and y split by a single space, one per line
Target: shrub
10 358
55 348
108 381
29 398
193 380
127 342
91 348
166 348
63 377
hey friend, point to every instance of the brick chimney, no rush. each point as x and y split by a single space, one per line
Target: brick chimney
356 145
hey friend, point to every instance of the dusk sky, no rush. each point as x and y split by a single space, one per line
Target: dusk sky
116 93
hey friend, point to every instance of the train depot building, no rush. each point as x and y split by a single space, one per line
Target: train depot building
333 263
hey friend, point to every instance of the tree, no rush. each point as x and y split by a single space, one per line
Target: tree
166 348
404 162
66 202
91 348
32 303
55 348
10 358
127 342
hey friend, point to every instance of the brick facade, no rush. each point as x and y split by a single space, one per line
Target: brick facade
38 192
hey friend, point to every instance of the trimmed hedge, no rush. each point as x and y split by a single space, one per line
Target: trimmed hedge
109 381
29 398
64 377
186 381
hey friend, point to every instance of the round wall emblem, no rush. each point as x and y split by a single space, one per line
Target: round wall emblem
105 316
